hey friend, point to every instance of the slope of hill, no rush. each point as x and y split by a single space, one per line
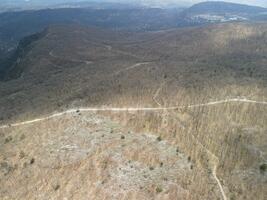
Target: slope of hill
16 25
221 146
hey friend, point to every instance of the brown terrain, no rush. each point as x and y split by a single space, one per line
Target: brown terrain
155 126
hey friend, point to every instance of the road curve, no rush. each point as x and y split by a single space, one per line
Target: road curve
130 67
87 62
214 169
155 96
218 182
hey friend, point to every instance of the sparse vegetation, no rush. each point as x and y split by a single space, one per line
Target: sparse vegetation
22 137
6 168
8 139
21 154
159 189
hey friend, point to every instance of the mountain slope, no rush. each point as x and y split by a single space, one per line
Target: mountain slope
220 54
222 145
16 25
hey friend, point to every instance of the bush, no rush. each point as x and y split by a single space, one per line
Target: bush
32 161
189 158
159 190
56 187
8 139
263 168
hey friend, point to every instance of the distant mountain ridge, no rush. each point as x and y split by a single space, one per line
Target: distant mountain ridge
219 11
15 5
16 25
220 7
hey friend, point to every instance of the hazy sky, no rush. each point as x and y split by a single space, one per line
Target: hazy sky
190 2
146 2
250 2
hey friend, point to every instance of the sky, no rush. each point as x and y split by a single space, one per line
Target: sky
190 2
262 3
250 2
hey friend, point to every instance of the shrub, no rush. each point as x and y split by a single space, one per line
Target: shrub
189 158
21 154
8 139
159 190
32 161
56 187
22 137
263 168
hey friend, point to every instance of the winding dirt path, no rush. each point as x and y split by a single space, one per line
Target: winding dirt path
87 62
218 182
130 67
110 48
216 161
157 93
131 109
